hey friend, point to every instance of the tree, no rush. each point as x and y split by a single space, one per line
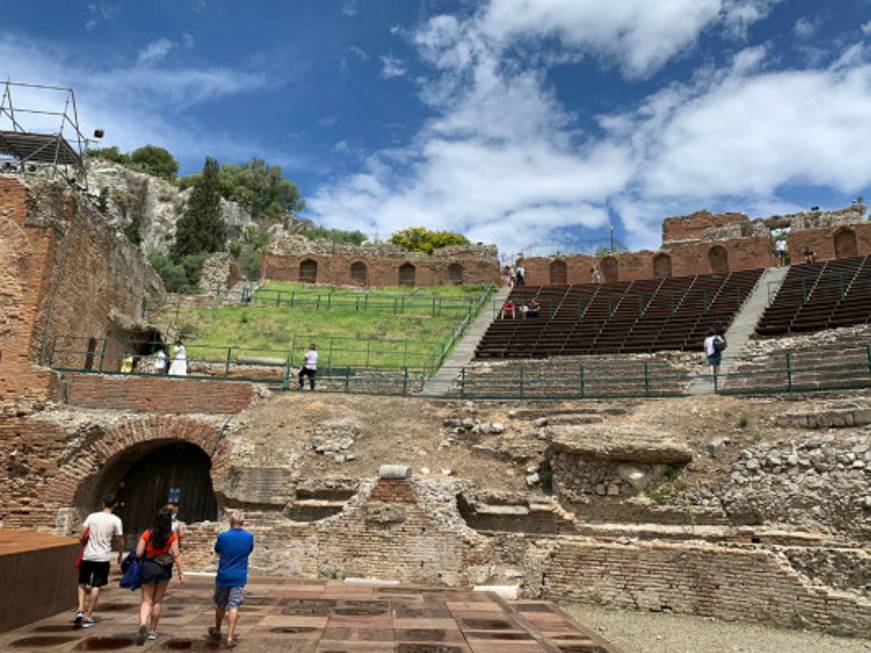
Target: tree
156 161
421 239
202 229
335 235
110 154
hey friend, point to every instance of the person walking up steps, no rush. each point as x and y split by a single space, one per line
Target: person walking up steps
233 546
309 367
103 527
158 550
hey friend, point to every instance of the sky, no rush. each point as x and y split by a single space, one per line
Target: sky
537 125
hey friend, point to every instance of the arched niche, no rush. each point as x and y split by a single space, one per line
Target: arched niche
718 259
407 275
610 269
845 243
308 271
455 274
662 266
559 273
360 273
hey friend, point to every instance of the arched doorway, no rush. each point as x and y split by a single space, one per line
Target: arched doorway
406 274
718 259
143 481
359 273
845 243
455 274
661 266
610 269
559 273
308 271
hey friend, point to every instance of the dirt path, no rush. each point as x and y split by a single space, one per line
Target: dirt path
644 632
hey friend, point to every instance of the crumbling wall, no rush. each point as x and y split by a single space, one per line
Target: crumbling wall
71 278
695 225
377 265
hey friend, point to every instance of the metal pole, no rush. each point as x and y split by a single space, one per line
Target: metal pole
788 371
278 298
103 352
405 355
368 344
404 381
463 382
646 381
581 380
330 355
227 364
347 377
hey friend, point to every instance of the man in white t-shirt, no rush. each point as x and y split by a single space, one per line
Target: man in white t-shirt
309 367
780 246
103 528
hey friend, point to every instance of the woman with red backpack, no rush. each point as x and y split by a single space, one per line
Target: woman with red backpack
158 550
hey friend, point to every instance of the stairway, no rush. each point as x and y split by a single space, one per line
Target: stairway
440 383
743 325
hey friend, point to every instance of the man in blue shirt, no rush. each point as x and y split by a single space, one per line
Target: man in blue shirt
233 546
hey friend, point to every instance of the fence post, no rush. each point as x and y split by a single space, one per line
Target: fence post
329 299
318 305
788 372
330 355
103 352
368 344
521 381
366 302
292 346
463 383
404 381
405 355
227 364
581 379
287 374
433 305
646 380
347 377
278 298
292 297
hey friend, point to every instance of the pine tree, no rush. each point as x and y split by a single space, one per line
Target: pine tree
201 230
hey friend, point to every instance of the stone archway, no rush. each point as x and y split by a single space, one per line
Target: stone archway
718 259
610 269
559 273
661 266
360 273
308 271
455 274
407 275
845 243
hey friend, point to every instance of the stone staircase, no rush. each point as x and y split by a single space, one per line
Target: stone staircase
441 383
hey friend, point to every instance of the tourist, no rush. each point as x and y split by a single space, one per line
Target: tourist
506 275
102 528
233 546
179 366
780 248
177 524
809 255
714 344
523 309
309 367
160 361
520 274
508 309
595 275
533 309
158 550
127 365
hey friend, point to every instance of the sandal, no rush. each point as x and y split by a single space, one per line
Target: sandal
231 643
214 634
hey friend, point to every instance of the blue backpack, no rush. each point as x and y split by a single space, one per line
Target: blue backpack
132 568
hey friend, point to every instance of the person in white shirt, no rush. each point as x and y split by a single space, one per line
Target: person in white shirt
714 344
520 274
781 249
159 361
179 366
103 528
309 367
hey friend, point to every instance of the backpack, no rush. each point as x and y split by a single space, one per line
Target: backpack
132 568
719 343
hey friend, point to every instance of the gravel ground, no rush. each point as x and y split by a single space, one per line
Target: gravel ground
644 632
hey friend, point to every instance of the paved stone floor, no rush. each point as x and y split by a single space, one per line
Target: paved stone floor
306 616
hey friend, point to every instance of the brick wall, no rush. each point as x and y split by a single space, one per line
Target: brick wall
62 266
380 272
682 259
822 241
156 394
691 227
726 583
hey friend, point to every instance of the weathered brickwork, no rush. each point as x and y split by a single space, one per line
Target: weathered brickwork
696 225
145 394
66 277
295 258
831 243
727 583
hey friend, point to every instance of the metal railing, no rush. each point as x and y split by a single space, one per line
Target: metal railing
436 306
442 352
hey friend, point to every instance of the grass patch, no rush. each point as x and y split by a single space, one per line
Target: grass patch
657 496
345 334
743 422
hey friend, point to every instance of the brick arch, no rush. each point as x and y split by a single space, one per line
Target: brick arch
308 271
107 454
718 259
407 275
661 266
844 243
610 269
558 273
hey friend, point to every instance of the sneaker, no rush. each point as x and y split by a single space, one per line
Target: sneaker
214 633
141 635
88 623
77 622
153 635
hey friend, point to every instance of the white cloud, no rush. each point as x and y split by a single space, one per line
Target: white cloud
155 51
359 52
137 104
350 8
187 40
199 6
392 67
99 12
503 160
328 121
866 28
804 28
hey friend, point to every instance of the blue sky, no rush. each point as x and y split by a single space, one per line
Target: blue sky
529 123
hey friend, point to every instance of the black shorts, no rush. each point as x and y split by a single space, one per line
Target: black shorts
93 573
154 573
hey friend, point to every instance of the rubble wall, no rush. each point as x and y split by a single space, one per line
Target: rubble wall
67 277
692 227
822 241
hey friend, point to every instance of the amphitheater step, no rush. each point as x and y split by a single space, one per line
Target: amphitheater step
441 382
744 323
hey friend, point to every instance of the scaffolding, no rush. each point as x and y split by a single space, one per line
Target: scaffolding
37 137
